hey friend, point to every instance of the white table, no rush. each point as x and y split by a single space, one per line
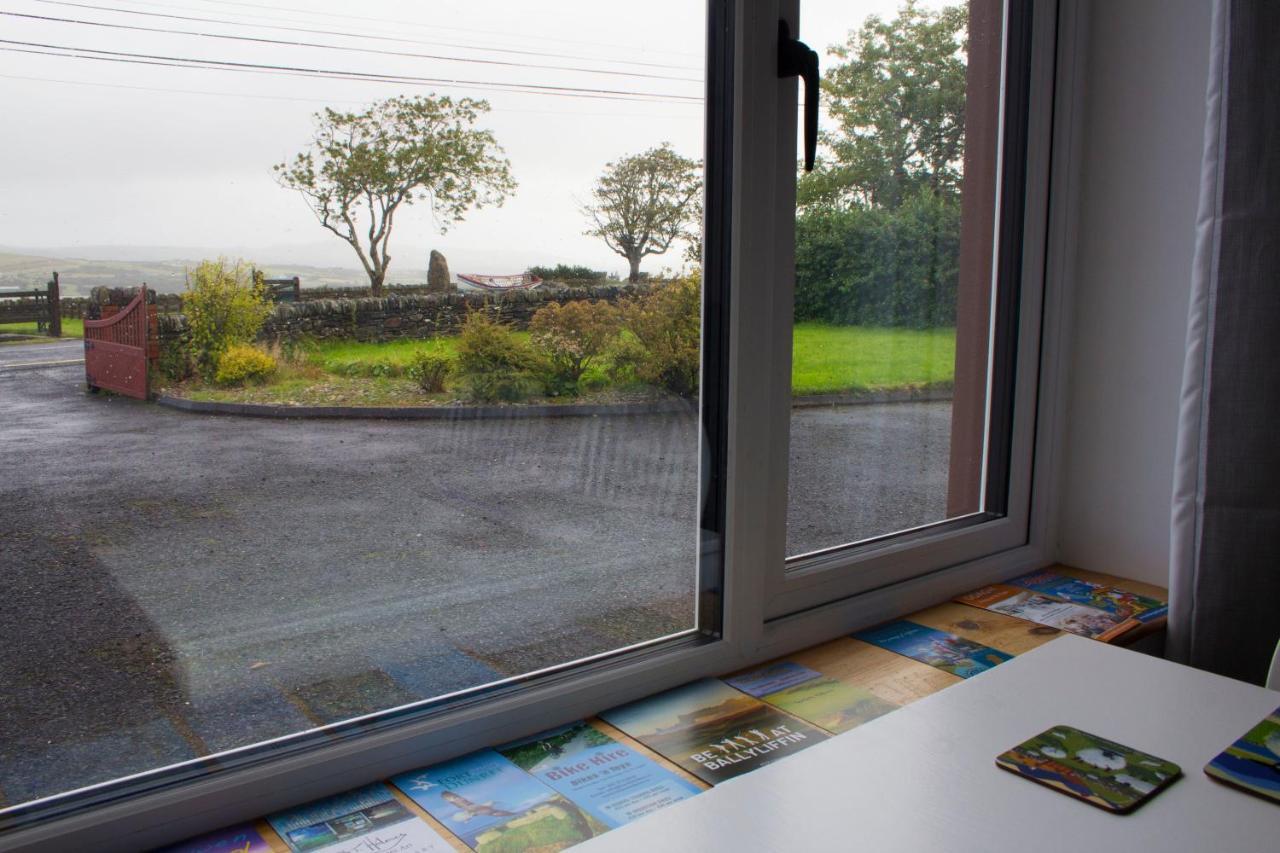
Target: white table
924 779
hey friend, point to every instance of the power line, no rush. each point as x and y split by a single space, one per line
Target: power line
357 75
345 48
509 88
416 24
295 99
313 31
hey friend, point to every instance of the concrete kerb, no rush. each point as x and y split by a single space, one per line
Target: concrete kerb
443 413
568 410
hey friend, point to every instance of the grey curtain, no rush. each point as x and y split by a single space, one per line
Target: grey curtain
1225 571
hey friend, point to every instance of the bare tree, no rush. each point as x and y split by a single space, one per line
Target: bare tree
362 167
644 203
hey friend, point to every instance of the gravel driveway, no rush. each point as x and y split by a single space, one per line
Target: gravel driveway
178 584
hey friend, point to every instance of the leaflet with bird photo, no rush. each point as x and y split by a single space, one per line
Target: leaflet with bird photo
366 820
1101 772
613 782
939 649
493 805
808 694
712 730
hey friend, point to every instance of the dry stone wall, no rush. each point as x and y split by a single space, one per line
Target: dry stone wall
413 316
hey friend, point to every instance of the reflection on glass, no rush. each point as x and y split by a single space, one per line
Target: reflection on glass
475 212
892 279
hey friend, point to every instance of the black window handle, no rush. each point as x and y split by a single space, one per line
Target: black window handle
795 58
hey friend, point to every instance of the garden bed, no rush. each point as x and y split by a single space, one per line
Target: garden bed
832 365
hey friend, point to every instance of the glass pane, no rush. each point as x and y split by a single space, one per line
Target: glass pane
894 240
475 216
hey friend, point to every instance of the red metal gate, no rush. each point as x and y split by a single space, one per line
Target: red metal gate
119 347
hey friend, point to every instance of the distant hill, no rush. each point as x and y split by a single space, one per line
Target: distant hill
77 276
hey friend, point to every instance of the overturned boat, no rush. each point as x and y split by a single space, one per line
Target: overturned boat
498 283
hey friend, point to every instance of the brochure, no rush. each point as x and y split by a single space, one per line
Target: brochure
1054 612
1121 602
236 839
491 804
610 780
812 696
367 820
1101 772
712 730
947 652
1252 763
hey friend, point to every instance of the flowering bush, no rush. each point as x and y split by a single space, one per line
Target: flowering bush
225 304
571 336
242 363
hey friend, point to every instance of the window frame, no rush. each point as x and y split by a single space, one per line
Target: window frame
815 580
759 619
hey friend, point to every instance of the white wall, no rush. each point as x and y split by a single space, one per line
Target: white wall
1146 73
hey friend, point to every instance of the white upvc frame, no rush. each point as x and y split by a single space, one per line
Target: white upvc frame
796 585
758 396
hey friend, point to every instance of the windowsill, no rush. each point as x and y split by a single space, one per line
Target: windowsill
890 676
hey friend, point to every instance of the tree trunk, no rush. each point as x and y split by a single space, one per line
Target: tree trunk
375 283
635 270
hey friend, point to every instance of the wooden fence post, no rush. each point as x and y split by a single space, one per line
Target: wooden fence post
55 308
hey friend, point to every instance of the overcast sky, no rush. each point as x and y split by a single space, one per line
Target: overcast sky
106 159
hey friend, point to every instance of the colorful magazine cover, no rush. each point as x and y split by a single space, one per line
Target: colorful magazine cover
236 839
1109 598
1253 762
1101 772
812 696
947 652
613 782
712 730
493 805
366 820
1054 612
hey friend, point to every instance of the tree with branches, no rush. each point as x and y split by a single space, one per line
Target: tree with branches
364 166
644 203
897 100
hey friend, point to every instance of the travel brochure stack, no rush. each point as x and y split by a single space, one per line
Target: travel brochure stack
1070 604
563 786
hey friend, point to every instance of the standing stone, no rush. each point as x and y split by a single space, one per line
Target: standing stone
438 280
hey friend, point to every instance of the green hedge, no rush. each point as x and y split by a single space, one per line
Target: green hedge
877 267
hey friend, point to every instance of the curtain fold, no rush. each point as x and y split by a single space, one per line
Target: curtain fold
1225 546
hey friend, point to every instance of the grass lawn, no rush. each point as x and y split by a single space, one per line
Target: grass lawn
835 359
826 360
72 327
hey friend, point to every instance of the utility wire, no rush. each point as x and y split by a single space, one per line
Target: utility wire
346 48
300 100
314 74
357 75
313 31
381 20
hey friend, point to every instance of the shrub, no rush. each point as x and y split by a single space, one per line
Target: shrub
174 362
665 326
880 267
493 364
243 363
430 370
225 305
566 272
571 336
